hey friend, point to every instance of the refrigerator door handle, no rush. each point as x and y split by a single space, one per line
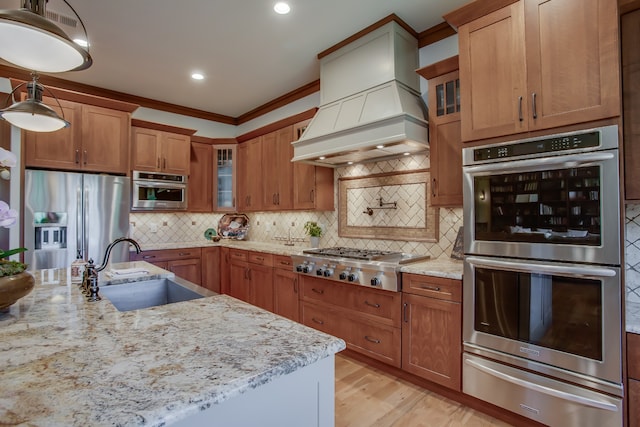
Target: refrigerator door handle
85 223
79 242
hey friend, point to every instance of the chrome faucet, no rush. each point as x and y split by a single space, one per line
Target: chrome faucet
90 280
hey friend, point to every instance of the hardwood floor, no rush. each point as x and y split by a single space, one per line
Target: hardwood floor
368 397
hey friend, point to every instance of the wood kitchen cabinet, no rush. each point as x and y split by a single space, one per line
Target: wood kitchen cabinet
225 270
225 162
200 189
633 374
277 152
251 277
211 268
537 64
96 141
184 263
286 288
445 142
312 185
432 329
630 39
250 192
156 150
367 319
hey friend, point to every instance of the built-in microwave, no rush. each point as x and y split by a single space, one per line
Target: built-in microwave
158 191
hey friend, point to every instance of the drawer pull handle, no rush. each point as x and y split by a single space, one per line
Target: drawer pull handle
148 256
285 263
318 321
371 339
184 253
318 291
431 288
259 258
374 305
405 306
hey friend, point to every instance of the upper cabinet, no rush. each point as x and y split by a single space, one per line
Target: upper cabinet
280 185
200 196
537 64
277 152
154 149
312 185
96 141
630 39
225 160
445 143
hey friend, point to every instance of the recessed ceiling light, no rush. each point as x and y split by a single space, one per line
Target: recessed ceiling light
282 8
379 146
322 157
406 154
197 76
349 163
81 42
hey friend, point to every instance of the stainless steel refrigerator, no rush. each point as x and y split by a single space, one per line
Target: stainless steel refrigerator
66 213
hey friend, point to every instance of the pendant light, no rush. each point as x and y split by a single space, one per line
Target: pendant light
32 114
32 41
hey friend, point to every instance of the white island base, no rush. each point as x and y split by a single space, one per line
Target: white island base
304 397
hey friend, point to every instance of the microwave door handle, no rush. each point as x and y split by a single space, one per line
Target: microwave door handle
543 389
570 161
545 268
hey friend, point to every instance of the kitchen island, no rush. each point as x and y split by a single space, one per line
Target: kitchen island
68 362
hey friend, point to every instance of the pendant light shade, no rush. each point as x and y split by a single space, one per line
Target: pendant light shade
36 43
32 114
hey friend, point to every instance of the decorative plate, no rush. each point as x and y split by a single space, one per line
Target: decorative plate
233 226
210 234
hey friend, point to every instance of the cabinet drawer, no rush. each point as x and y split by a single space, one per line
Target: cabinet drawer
166 255
378 341
283 262
433 287
238 255
633 356
385 306
261 258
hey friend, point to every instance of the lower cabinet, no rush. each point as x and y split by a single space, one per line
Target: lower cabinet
367 319
184 263
211 274
286 289
633 373
432 329
251 277
225 270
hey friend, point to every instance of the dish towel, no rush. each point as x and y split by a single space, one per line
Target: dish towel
127 272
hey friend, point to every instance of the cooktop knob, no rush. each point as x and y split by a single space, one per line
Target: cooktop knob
328 272
353 277
343 275
319 271
307 268
300 268
376 281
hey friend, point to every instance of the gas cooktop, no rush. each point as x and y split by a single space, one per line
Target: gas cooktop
366 267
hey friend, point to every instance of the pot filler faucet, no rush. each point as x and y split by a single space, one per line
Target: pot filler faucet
90 279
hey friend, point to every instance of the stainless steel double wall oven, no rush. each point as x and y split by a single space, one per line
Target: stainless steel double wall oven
542 321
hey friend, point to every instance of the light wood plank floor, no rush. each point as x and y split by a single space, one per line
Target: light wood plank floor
368 397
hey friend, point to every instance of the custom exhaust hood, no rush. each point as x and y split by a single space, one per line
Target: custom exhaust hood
371 107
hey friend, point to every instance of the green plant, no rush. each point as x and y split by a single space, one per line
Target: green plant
312 229
9 267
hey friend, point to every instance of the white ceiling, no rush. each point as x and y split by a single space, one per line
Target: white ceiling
249 54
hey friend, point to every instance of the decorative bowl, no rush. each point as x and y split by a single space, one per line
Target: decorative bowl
12 288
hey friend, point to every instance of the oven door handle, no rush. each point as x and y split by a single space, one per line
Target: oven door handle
569 161
542 389
542 268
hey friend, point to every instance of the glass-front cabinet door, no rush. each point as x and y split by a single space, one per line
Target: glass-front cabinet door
224 174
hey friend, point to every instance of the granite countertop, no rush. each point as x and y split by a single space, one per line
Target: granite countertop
633 317
68 362
440 267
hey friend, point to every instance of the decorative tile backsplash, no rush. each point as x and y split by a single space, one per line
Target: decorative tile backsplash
161 228
632 252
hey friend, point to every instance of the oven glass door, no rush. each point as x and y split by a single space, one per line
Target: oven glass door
564 315
557 208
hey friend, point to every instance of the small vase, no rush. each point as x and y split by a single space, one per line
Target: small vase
315 241
12 288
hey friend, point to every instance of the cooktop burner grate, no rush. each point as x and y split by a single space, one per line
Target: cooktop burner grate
354 253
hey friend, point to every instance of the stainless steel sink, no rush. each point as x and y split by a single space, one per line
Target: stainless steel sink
150 293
